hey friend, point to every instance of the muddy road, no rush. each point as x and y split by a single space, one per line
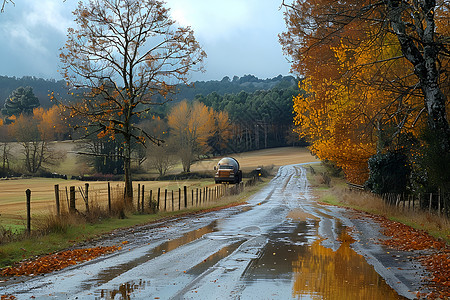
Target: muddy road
281 245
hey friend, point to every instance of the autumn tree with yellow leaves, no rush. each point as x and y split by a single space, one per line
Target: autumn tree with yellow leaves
126 54
375 73
192 126
34 133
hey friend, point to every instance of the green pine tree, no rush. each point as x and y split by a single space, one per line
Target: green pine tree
21 101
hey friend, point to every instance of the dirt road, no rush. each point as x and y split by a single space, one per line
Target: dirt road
281 245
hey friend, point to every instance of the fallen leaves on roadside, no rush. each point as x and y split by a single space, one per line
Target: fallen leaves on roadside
437 261
439 266
57 261
406 238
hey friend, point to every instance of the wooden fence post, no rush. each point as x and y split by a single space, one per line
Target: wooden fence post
86 199
173 205
159 194
192 197
142 198
109 198
429 205
439 202
165 199
28 193
179 198
72 207
67 198
139 197
185 196
58 209
150 201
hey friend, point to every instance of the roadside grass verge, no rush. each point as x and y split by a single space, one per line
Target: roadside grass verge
337 193
55 234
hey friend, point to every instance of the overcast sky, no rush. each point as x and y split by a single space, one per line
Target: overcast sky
239 36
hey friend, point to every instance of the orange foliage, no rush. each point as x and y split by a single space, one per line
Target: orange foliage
223 129
58 261
51 124
437 261
351 88
192 124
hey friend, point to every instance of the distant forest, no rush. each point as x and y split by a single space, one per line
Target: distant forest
247 83
258 111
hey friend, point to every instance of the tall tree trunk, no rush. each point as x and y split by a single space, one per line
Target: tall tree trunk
425 65
128 197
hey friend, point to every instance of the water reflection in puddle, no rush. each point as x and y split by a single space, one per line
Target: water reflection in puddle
295 257
213 259
124 291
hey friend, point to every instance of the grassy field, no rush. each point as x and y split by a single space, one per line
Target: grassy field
73 164
13 200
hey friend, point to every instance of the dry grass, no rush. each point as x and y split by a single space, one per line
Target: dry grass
12 196
268 157
438 226
339 194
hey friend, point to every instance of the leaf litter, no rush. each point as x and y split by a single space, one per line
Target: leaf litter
56 261
436 257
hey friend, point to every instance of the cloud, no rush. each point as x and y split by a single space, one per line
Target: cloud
239 36
48 14
211 20
32 32
37 25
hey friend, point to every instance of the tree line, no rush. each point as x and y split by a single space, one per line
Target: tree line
249 83
262 119
188 130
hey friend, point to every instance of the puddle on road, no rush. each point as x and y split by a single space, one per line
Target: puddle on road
109 274
124 291
295 257
213 259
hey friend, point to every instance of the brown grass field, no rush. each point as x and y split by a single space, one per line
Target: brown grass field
12 192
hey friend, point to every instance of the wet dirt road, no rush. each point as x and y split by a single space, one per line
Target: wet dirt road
281 245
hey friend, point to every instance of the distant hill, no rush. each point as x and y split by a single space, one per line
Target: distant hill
41 88
248 83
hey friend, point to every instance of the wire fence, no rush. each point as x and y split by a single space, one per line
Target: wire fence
437 203
82 198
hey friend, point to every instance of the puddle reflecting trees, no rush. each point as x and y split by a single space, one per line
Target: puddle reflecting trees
295 257
341 274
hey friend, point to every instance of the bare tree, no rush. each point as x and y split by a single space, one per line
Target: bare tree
35 144
4 3
129 55
162 158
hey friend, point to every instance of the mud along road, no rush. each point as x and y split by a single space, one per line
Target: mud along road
281 245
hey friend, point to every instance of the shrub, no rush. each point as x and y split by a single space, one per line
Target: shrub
388 173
